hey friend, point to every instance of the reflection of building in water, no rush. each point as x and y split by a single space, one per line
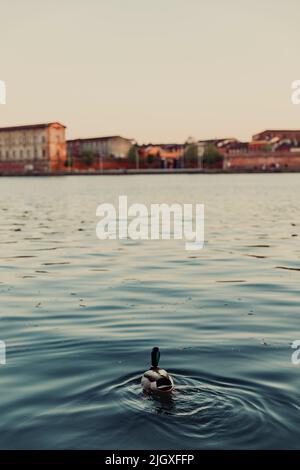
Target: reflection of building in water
39 148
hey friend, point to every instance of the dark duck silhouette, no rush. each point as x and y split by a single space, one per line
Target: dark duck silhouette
157 380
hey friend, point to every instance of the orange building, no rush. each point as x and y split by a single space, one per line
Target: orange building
169 155
36 148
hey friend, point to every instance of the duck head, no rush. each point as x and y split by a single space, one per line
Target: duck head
155 356
163 384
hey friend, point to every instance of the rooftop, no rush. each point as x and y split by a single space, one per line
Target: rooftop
85 139
30 126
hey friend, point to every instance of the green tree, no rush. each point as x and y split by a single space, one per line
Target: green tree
267 148
68 163
88 158
153 159
211 155
191 155
133 156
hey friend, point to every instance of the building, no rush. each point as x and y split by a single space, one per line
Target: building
222 145
97 152
162 155
276 140
268 135
37 148
262 161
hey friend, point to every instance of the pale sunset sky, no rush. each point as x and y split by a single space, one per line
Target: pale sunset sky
153 70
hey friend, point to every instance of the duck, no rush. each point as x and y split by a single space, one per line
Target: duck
156 380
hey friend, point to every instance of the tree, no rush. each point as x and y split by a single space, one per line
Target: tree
88 158
211 155
153 159
68 163
133 156
267 148
191 155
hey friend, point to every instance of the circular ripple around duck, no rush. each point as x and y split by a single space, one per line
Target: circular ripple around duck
202 407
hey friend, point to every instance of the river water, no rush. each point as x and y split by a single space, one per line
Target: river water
79 316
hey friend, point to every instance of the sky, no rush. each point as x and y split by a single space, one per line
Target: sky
153 70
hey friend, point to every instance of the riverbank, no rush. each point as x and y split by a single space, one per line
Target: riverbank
171 171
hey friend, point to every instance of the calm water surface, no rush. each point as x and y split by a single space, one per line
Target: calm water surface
79 316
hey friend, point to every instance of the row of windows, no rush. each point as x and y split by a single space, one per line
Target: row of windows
22 140
94 145
19 155
26 140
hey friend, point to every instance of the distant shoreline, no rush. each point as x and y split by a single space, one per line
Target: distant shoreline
149 172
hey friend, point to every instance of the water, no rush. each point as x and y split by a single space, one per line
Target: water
79 316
